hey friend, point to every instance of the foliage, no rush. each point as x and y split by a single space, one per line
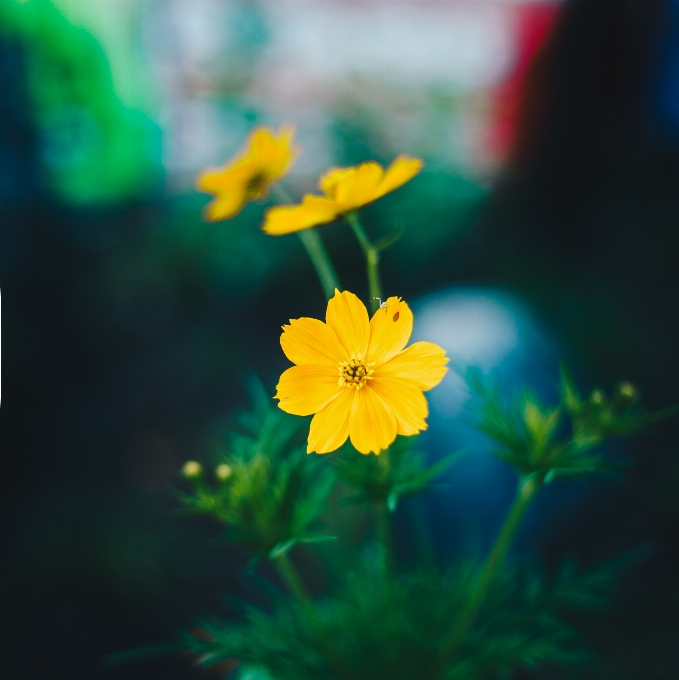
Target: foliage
396 627
398 472
558 441
273 493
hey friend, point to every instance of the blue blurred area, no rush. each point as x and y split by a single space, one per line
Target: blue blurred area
493 331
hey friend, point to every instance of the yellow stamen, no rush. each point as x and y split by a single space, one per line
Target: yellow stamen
355 372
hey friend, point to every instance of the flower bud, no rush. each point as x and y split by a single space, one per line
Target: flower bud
627 390
598 397
192 469
223 472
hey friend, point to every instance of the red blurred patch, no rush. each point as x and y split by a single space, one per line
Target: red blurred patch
533 25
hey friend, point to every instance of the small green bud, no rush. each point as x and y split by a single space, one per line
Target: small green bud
627 390
192 469
598 398
223 472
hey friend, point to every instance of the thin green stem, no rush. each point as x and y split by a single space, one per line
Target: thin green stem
298 590
314 247
383 520
525 493
319 258
372 258
292 580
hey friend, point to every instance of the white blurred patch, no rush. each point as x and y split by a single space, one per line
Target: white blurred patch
476 328
468 45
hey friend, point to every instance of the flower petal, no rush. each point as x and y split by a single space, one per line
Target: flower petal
348 317
358 187
406 401
398 173
223 207
423 364
304 390
390 329
286 219
373 424
329 180
273 153
330 426
310 341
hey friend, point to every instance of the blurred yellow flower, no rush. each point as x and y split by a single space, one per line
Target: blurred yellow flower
356 376
345 189
268 157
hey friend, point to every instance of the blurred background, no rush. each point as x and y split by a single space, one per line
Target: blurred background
545 225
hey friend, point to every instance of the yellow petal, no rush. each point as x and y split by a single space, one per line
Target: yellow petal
373 424
222 208
329 181
390 329
406 401
358 187
310 341
303 390
286 219
274 154
398 173
423 364
330 426
348 317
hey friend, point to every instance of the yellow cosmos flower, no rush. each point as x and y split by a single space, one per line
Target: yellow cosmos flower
345 189
268 157
356 376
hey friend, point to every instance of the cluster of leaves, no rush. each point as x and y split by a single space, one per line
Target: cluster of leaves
396 473
273 493
397 627
563 440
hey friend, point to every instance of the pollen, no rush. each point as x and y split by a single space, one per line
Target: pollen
355 372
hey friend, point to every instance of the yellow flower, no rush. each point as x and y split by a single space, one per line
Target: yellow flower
356 376
345 189
249 175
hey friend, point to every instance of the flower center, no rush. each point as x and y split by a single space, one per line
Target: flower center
257 184
355 372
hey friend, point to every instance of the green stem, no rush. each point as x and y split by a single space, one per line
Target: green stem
383 521
314 247
525 493
319 258
297 588
372 257
292 580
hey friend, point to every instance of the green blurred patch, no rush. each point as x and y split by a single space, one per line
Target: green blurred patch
93 149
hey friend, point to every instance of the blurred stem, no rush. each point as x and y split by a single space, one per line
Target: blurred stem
296 586
383 520
372 257
314 247
321 261
526 490
292 579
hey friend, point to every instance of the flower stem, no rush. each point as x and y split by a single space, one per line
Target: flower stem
319 258
372 257
296 586
383 521
314 247
527 488
292 580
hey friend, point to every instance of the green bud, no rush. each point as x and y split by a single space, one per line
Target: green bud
223 472
598 397
627 390
192 469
